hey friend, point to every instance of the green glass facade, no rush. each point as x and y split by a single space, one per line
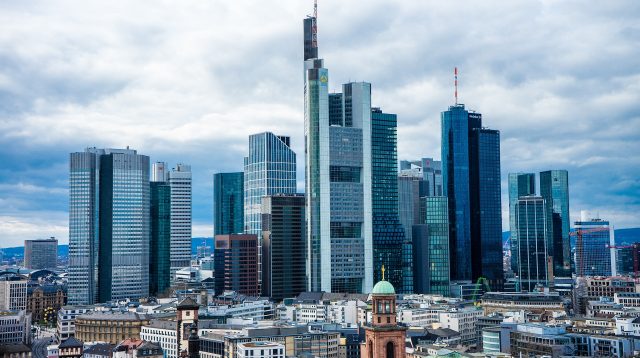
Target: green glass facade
431 247
554 188
388 233
520 184
228 203
159 260
532 253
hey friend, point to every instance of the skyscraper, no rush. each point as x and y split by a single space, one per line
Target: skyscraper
431 247
228 203
338 178
41 254
236 264
520 184
554 188
108 225
471 181
160 246
593 257
180 183
283 246
531 250
270 168
388 234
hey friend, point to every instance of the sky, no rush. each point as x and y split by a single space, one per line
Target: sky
189 81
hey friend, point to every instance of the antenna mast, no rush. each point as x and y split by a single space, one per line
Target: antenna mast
455 82
314 30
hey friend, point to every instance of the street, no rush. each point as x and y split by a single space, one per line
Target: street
39 347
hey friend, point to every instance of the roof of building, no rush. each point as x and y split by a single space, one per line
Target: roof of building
128 344
383 288
330 296
101 349
71 342
149 349
14 348
187 303
115 316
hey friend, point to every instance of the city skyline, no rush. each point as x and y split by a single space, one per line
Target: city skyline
554 112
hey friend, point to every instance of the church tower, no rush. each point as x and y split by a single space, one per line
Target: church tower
384 338
187 315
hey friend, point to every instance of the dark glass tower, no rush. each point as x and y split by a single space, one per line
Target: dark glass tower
554 188
228 203
388 233
471 181
431 247
531 228
520 184
159 259
283 246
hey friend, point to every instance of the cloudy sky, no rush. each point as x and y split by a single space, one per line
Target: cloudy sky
188 81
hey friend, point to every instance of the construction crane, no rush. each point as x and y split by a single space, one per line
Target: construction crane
580 245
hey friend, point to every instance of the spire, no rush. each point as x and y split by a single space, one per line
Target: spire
314 30
382 272
455 82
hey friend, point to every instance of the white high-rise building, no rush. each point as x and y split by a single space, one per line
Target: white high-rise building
13 293
180 181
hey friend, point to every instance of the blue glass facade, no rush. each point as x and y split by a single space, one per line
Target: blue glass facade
455 177
228 203
593 257
388 233
554 188
471 181
520 184
531 227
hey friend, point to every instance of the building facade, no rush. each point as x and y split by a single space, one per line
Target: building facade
383 336
534 263
160 247
41 254
108 225
520 184
110 327
554 188
431 247
593 256
44 300
471 181
388 233
181 202
236 264
283 246
13 293
228 203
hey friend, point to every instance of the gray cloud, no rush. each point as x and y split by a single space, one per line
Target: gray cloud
189 81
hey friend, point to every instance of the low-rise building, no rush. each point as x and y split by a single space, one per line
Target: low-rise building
99 350
45 296
260 349
110 327
13 292
462 320
66 326
540 340
543 304
15 327
71 348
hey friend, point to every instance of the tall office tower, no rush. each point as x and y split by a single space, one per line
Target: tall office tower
228 203
628 259
409 202
520 184
593 258
108 225
471 181
388 234
338 178
41 254
160 246
431 247
429 170
532 254
269 169
180 182
554 188
283 246
236 264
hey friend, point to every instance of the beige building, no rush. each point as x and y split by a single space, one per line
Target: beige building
543 304
110 327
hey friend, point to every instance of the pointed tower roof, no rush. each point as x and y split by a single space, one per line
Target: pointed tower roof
188 303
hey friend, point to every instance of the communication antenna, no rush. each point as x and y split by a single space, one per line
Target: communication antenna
314 30
455 82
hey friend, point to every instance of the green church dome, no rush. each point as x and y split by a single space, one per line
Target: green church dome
383 288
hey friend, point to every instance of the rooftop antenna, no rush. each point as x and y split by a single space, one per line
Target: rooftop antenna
455 82
314 30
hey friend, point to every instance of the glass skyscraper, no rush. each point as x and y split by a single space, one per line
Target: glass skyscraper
109 232
388 233
593 256
269 169
228 203
431 247
338 178
520 184
471 181
554 188
159 258
532 254
179 179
